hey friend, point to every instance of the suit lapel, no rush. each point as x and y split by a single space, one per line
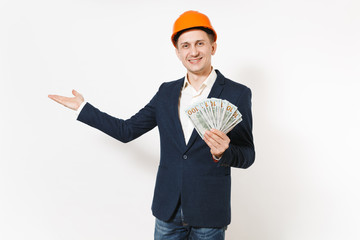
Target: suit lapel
215 92
175 113
218 85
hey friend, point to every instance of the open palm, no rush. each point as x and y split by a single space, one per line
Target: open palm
70 102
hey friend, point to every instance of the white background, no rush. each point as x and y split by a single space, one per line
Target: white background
60 179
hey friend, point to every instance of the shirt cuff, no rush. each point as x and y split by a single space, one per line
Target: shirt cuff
80 108
215 158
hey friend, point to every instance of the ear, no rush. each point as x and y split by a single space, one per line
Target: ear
213 48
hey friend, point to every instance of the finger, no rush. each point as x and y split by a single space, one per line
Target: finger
220 136
75 93
217 137
57 98
213 149
51 96
218 133
219 144
213 137
78 97
207 138
210 139
207 142
54 97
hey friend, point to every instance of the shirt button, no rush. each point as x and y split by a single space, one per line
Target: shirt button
185 157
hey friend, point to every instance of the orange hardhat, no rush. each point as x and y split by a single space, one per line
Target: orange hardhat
191 19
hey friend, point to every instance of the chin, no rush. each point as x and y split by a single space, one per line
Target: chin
196 69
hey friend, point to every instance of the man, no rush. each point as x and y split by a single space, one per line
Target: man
192 192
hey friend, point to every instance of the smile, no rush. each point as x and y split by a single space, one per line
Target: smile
195 60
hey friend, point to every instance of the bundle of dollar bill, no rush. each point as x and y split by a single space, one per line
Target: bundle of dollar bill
213 113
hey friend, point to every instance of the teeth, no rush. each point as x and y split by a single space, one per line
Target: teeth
195 60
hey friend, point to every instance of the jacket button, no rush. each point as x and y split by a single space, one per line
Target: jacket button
185 157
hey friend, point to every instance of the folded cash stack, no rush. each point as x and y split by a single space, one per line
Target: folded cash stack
213 113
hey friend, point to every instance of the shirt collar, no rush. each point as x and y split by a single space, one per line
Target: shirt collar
208 82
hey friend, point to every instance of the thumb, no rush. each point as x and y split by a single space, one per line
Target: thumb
75 93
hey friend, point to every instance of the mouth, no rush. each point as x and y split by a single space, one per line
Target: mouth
195 60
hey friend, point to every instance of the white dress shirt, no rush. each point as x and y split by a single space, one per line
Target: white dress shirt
190 96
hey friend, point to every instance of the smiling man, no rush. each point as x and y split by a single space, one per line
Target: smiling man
194 48
192 191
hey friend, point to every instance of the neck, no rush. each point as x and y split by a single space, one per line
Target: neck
196 79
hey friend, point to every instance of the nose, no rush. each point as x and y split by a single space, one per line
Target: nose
194 51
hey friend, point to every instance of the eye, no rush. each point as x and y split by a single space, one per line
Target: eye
201 44
185 45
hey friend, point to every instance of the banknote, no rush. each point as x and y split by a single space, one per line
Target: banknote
213 113
200 122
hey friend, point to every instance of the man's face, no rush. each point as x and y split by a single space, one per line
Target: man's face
194 49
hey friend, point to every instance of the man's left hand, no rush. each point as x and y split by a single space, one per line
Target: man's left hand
217 141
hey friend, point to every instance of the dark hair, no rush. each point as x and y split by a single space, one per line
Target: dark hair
209 32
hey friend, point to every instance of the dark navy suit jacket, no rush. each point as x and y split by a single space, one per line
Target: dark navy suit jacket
187 172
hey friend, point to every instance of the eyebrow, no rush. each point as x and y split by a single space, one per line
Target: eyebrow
200 40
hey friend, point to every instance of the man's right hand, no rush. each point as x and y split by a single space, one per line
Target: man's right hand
70 102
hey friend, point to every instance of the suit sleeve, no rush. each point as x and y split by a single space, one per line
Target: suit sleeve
122 130
241 151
